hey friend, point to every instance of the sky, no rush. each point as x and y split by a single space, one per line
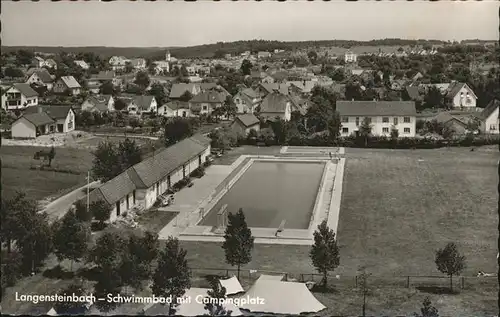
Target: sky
168 24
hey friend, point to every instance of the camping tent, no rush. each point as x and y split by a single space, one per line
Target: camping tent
232 286
271 277
279 297
191 307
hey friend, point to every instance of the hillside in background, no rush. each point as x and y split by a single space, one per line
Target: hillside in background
217 49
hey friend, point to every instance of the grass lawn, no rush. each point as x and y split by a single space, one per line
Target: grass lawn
232 155
154 220
37 184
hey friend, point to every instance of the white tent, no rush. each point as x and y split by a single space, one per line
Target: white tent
232 286
52 312
279 297
264 277
192 305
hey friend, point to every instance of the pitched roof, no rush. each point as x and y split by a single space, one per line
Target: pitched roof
490 108
274 102
82 63
158 166
26 90
109 75
249 92
44 76
70 82
209 96
114 189
178 90
55 112
444 117
247 119
376 108
99 101
282 88
413 92
37 118
175 104
143 102
305 86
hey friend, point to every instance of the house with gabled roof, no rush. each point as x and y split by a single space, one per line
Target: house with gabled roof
176 108
41 77
144 182
99 103
382 115
67 84
460 95
38 61
275 105
206 102
456 123
19 96
63 116
32 125
180 89
244 123
82 64
145 103
246 100
118 62
490 118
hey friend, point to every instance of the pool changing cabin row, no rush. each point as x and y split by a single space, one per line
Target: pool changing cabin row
144 182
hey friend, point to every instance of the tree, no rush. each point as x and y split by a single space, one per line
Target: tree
172 276
365 129
238 240
313 57
324 252
101 211
186 96
334 124
246 67
106 163
229 107
450 262
71 307
427 310
120 104
81 212
36 245
142 80
13 72
107 88
136 262
52 154
15 216
218 295
24 57
433 98
70 239
158 91
177 129
128 67
129 153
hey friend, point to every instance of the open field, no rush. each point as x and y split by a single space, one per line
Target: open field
37 184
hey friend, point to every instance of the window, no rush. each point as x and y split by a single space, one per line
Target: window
369 119
357 121
395 121
407 130
493 127
205 107
385 130
345 119
184 113
407 119
345 130
385 119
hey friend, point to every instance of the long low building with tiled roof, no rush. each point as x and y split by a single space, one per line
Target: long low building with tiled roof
144 182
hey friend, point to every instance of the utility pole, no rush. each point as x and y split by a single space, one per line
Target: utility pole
88 191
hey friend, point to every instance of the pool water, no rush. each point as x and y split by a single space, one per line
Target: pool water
269 192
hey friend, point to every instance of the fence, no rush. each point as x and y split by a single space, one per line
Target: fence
343 281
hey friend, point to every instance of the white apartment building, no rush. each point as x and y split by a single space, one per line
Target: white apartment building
383 117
